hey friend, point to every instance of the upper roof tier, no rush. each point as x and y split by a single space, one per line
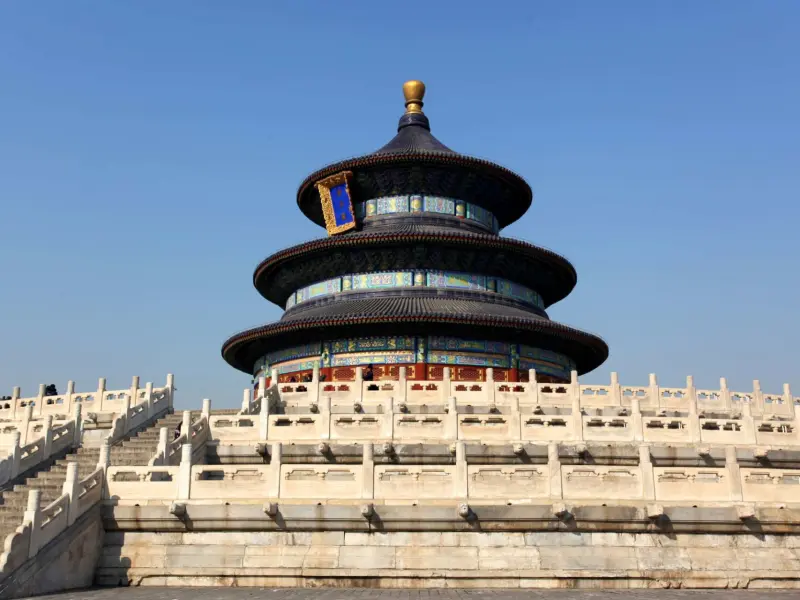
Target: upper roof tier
415 162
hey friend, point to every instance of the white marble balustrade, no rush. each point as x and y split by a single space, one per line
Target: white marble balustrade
495 483
507 412
98 401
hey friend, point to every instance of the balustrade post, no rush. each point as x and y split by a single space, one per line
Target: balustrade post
515 419
246 402
789 400
39 400
636 420
574 386
185 473
577 414
795 408
273 377
135 390
148 400
15 454
263 419
326 419
262 386
15 396
694 421
451 419
186 426
313 388
275 460
48 436
758 398
533 387
402 383
490 391
654 393
359 385
170 390
368 472
325 405
206 411
691 395
68 395
445 392
387 420
104 460
27 417
554 467
648 477
734 473
125 413
33 517
461 479
616 392
162 451
748 425
72 488
101 389
724 393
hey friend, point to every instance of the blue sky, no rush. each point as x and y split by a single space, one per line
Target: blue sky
150 153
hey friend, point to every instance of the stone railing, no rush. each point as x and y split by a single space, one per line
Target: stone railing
194 433
531 393
51 441
41 525
557 416
252 406
98 401
549 473
46 438
153 403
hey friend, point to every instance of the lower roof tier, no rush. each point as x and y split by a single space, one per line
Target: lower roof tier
461 319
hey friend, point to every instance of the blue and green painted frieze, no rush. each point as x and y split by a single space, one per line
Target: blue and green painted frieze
419 278
418 203
416 349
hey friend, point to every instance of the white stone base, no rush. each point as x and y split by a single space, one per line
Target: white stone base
447 559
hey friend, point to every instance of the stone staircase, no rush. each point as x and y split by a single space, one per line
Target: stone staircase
137 450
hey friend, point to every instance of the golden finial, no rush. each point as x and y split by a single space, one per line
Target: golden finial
414 91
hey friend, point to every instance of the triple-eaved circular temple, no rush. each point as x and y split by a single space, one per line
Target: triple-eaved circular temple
479 459
414 273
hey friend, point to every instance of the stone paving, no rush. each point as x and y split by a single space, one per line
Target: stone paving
154 593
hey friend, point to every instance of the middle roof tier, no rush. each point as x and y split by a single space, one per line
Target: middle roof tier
415 248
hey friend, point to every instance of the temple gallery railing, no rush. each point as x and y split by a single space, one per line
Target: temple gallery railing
499 411
40 525
98 401
550 476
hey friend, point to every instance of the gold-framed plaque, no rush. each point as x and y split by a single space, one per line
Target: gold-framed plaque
337 204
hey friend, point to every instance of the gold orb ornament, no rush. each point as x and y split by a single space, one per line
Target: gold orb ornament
414 91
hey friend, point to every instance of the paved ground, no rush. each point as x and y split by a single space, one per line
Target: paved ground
153 593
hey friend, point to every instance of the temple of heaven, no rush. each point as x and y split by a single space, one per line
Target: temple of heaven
414 273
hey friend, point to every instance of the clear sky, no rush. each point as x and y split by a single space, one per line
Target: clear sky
150 153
